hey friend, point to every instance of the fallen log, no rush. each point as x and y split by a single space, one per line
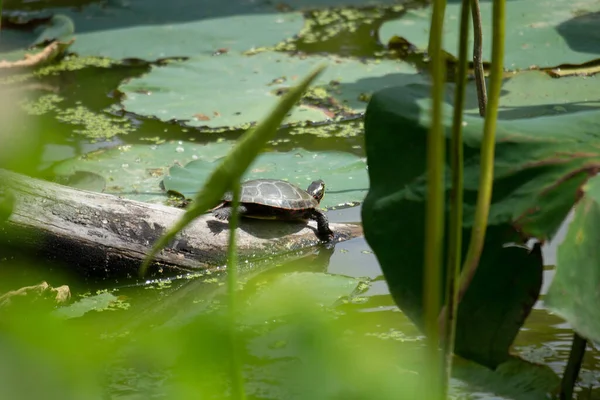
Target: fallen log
98 234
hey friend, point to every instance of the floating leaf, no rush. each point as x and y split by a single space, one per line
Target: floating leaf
345 174
529 94
235 91
152 29
135 171
539 33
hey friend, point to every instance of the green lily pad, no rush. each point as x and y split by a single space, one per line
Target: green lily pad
530 94
344 174
135 171
152 29
540 33
234 91
153 42
574 294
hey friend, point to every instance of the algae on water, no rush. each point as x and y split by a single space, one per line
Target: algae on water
93 125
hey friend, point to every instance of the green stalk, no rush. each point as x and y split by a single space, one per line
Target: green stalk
434 221
487 151
237 377
448 326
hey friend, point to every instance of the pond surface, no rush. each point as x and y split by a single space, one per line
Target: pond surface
544 339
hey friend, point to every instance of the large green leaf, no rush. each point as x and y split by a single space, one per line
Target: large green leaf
234 91
540 165
344 174
540 33
540 162
574 293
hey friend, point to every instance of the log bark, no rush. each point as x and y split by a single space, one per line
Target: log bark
104 235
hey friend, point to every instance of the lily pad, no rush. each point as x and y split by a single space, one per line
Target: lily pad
539 32
152 29
528 94
235 91
153 42
574 294
135 171
345 174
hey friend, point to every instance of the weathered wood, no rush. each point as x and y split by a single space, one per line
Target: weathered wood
101 234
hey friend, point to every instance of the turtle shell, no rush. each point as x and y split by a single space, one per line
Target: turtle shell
274 193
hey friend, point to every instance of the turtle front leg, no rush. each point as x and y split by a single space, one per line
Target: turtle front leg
224 213
322 225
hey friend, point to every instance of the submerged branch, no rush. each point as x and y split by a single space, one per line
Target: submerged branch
49 53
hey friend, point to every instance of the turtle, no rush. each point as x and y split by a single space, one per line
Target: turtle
280 200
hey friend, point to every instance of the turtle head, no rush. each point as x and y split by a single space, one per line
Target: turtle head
317 190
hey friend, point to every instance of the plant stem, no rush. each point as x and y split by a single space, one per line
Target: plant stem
573 367
236 375
434 230
448 324
478 57
486 177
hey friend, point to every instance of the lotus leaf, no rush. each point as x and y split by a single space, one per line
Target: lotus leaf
529 94
135 171
154 29
539 33
234 91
